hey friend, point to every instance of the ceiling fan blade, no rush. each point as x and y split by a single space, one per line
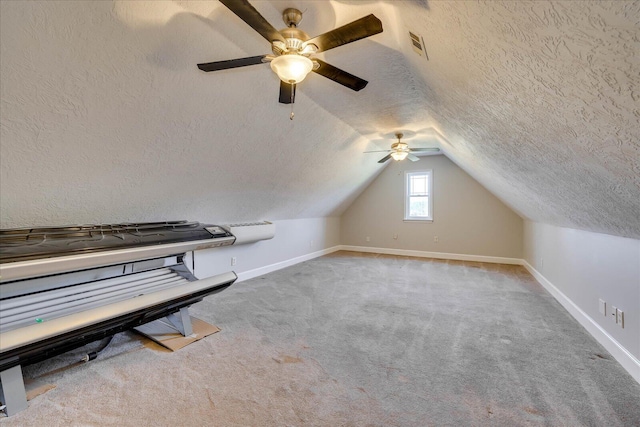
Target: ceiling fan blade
286 90
424 149
246 12
356 30
412 157
377 151
231 63
340 76
385 158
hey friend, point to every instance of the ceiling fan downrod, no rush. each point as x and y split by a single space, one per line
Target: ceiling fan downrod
291 17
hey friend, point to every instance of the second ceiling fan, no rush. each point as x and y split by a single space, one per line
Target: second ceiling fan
400 151
293 50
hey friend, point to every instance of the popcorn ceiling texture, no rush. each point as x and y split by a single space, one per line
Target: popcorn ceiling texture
105 117
539 101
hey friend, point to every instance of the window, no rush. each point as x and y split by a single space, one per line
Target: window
418 200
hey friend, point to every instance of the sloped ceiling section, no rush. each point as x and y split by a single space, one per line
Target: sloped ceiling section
539 101
106 118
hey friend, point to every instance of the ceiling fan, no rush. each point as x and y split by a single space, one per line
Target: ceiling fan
293 50
400 151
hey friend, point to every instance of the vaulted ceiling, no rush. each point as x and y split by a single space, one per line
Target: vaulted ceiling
105 117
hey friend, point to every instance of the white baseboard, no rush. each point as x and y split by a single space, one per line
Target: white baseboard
437 255
250 274
628 361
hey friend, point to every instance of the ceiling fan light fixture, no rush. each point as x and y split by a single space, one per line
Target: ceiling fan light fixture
292 68
399 155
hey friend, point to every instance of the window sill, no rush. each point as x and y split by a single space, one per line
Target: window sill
416 220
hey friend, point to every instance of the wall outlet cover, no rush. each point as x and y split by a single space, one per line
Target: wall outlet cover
620 318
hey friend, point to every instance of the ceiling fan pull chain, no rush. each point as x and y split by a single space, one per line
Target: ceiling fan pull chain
293 88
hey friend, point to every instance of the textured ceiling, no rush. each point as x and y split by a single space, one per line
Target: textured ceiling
540 102
105 117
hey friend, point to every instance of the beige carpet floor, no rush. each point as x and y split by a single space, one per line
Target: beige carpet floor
353 340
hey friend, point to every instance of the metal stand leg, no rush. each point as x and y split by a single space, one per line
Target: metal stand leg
183 322
12 392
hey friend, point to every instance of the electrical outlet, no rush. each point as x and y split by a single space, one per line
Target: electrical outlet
395 237
233 260
435 239
614 313
603 308
620 318
311 244
541 263
368 239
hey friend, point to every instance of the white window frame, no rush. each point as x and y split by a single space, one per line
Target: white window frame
429 195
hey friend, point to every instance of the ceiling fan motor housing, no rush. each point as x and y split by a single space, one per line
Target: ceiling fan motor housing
400 146
294 38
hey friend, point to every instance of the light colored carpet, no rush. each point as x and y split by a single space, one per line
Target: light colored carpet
354 340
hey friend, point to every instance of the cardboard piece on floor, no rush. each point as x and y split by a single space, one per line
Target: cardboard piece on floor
165 334
37 390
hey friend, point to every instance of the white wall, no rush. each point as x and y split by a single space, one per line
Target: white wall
295 241
581 267
467 218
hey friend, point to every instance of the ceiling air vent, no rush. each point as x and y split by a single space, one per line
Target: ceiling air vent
417 42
